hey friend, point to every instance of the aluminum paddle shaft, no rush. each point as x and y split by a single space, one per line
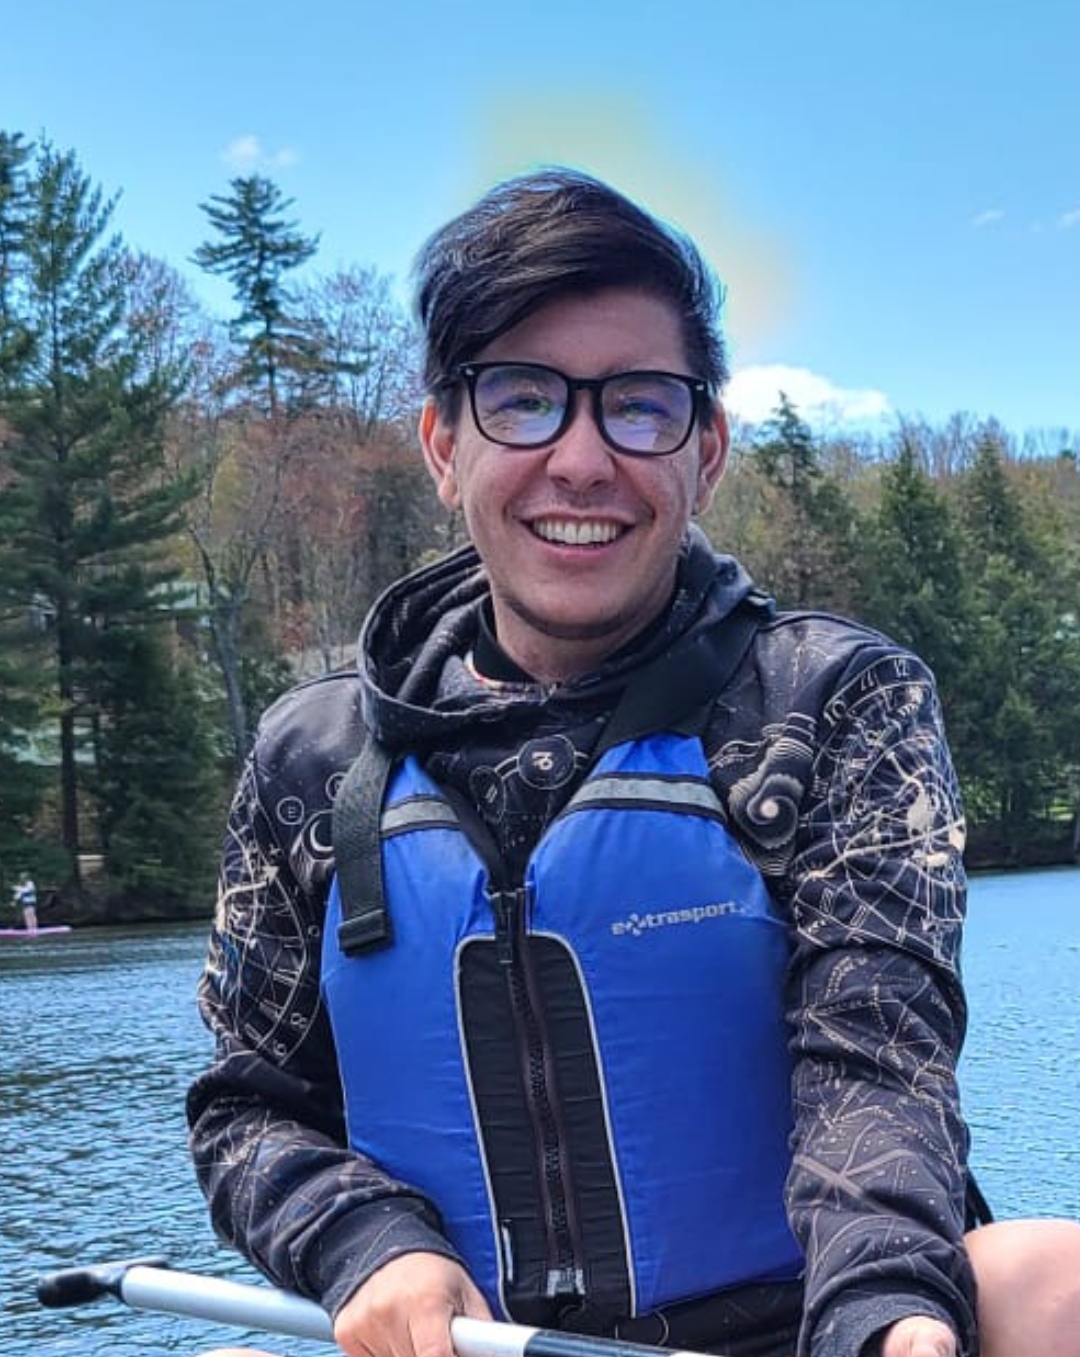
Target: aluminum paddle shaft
148 1285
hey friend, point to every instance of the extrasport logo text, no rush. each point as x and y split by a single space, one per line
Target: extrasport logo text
636 925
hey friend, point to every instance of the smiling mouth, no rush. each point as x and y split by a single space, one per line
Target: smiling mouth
577 532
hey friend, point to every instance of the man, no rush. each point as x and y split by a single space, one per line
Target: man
633 1006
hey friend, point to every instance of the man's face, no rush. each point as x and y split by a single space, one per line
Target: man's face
579 541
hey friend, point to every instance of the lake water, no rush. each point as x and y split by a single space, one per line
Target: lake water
99 1039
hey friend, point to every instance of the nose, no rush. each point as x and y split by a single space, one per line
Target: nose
579 457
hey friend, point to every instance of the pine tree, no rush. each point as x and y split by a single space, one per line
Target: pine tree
23 780
257 248
913 585
158 795
292 362
810 557
85 515
1024 662
787 452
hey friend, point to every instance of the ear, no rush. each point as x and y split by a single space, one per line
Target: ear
713 443
439 441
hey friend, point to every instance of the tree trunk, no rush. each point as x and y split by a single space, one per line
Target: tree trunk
224 622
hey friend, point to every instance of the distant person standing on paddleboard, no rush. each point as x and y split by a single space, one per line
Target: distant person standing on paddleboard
25 898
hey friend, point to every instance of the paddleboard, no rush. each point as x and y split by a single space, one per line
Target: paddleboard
41 932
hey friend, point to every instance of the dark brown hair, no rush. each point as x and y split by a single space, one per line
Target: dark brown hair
544 235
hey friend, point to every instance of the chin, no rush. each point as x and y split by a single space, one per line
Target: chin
567 625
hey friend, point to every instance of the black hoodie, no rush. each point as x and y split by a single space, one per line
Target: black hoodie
827 753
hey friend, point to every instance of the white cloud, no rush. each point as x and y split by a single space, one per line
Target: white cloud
1068 220
987 218
242 153
246 154
754 393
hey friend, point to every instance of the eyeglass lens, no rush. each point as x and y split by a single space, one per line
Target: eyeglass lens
641 412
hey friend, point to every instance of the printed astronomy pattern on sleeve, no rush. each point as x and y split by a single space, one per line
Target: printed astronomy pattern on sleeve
263 974
877 898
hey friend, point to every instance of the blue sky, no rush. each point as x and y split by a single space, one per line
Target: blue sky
889 188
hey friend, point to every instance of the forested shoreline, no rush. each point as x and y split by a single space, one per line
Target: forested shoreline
195 509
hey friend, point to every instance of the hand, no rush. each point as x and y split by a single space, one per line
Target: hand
405 1308
919 1336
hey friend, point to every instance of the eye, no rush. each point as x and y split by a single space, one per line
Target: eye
635 408
643 399
518 398
522 400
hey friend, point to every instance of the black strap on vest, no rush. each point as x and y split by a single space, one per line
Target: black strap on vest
365 919
674 692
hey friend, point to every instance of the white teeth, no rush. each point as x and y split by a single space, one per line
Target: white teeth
575 532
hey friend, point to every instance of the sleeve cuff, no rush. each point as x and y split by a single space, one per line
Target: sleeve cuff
851 1323
360 1243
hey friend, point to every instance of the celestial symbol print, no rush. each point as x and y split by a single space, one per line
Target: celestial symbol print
547 762
260 966
764 800
768 803
543 764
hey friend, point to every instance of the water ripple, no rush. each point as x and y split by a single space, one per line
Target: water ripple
96 1168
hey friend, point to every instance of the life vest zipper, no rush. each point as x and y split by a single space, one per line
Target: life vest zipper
565 1272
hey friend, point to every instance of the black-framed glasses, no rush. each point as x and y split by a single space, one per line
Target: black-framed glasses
525 405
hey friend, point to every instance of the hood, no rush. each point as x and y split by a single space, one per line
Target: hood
415 687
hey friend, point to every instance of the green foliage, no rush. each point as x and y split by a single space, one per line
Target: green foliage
811 561
963 553
943 538
787 453
86 518
913 586
157 788
15 210
255 250
264 672
26 837
1022 691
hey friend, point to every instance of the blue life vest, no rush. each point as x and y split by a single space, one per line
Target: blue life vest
680 958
